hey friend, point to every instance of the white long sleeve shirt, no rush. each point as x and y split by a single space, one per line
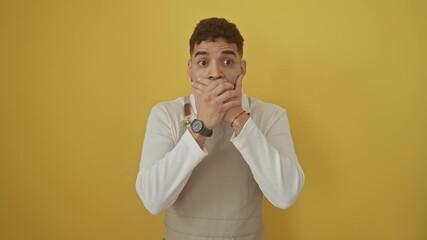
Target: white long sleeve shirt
170 154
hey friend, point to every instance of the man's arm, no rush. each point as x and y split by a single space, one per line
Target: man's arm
167 161
270 154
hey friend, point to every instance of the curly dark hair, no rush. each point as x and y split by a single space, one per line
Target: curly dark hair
211 29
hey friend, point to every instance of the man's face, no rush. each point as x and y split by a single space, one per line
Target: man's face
216 60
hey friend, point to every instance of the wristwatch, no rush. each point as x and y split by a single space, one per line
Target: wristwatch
198 127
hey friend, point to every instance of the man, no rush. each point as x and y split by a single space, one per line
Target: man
208 159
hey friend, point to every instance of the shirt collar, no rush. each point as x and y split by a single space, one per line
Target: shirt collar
245 103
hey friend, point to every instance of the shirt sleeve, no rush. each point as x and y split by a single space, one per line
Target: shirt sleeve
271 157
167 161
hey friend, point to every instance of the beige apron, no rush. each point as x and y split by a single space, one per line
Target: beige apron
221 200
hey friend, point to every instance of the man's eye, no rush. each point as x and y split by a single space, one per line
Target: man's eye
228 62
203 63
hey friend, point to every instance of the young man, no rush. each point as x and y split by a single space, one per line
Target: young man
208 159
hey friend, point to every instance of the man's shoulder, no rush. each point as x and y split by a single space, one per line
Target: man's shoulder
258 104
171 104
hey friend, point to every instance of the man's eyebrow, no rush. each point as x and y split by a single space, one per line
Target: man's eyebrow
229 52
200 53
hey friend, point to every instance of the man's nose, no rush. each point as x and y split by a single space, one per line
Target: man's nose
215 72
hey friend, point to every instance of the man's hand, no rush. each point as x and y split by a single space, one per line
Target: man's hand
237 109
214 98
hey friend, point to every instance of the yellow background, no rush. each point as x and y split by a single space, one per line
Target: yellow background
78 79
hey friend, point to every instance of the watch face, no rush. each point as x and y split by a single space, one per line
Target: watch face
197 126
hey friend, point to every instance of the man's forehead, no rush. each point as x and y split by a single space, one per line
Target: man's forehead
217 46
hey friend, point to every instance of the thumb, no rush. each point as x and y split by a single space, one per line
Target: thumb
238 84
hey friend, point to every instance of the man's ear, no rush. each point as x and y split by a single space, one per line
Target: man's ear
243 67
189 66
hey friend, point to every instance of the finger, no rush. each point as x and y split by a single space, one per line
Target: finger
233 97
214 85
196 92
198 86
202 82
205 81
222 88
228 96
239 81
231 104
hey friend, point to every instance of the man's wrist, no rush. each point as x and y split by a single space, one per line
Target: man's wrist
239 122
198 126
200 139
236 117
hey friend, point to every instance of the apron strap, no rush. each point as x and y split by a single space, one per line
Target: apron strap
187 112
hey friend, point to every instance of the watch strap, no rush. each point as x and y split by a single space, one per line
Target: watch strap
206 132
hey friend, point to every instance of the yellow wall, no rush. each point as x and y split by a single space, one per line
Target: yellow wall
78 79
